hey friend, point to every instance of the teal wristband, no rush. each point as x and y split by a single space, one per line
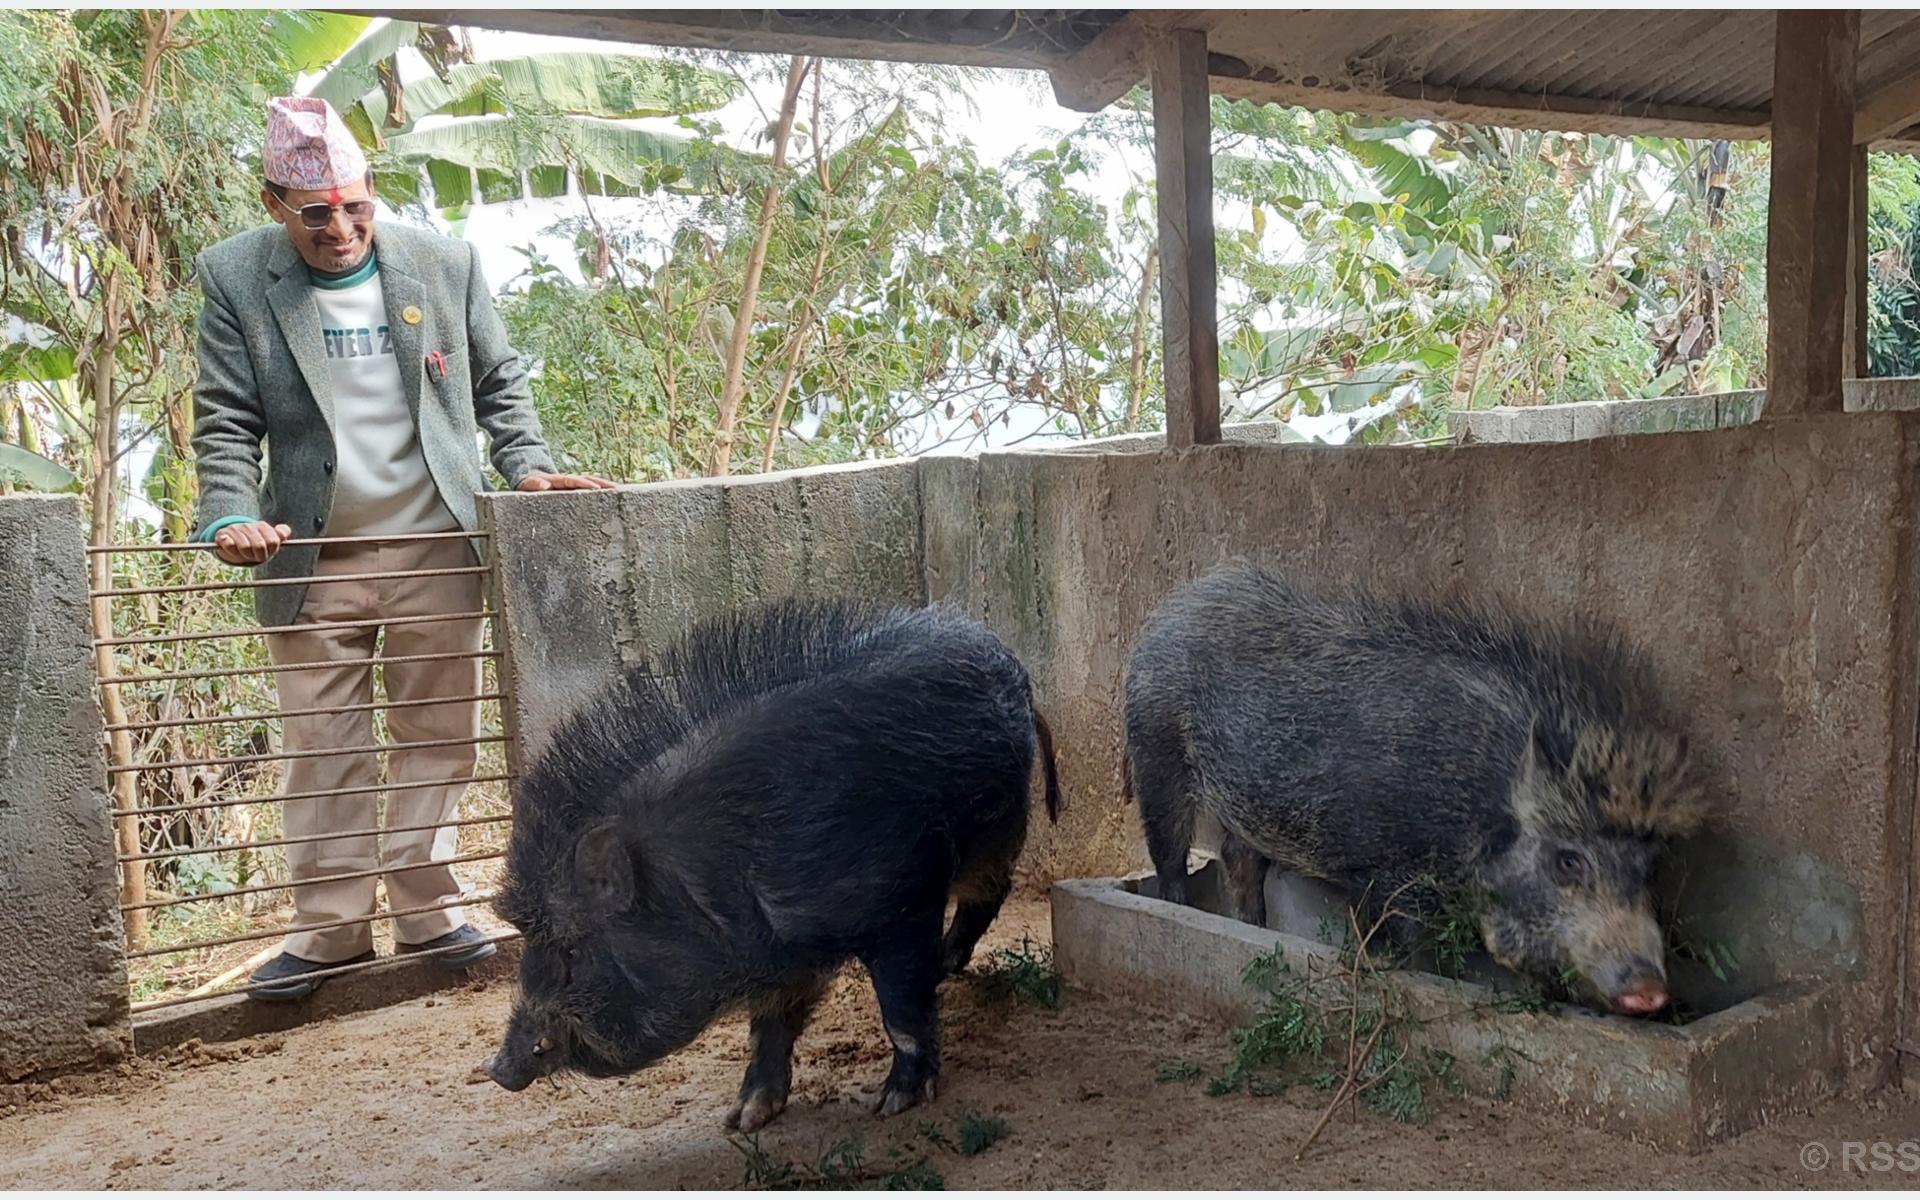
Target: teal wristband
222 523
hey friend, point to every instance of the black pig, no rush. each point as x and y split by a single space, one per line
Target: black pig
1376 745
785 790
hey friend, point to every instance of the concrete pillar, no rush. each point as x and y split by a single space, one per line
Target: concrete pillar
63 971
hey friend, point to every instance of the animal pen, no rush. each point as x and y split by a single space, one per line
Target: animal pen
1762 549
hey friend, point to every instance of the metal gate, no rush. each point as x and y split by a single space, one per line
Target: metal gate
193 758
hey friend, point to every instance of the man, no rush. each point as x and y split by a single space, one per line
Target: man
366 361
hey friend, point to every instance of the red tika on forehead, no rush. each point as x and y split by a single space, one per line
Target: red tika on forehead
333 196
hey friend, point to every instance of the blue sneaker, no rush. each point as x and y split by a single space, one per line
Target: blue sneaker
478 948
279 979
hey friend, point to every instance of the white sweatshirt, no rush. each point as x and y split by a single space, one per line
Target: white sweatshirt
381 482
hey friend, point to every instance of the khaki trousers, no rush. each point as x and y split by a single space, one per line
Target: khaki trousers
350 682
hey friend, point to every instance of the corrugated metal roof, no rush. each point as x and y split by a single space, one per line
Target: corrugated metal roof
1679 71
1033 38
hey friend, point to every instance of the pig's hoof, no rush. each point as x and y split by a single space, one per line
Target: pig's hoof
753 1112
896 1099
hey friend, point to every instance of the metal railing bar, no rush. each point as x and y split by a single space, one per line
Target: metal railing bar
172 589
284 930
151 1005
320 794
236 847
279 668
256 889
310 627
284 755
177 722
188 547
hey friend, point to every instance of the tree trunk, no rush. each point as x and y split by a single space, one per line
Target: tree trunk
720 462
797 337
1142 311
182 487
795 345
97 385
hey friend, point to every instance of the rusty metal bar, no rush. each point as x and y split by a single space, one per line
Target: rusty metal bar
171 589
282 931
310 627
394 869
283 755
206 805
151 1005
236 847
280 668
189 547
176 722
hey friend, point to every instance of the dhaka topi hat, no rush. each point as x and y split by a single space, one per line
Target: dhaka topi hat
309 147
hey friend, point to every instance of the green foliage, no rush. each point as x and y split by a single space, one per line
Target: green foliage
82 208
1893 258
1686 940
842 1166
312 40
1306 1027
1289 1032
1025 973
1465 266
912 296
979 1132
530 125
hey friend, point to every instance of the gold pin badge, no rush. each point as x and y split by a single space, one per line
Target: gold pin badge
410 315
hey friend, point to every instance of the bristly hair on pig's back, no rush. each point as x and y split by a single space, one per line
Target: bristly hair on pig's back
719 664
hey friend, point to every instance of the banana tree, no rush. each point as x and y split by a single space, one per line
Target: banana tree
530 126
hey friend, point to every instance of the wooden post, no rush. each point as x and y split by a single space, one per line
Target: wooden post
1810 204
1856 364
1183 183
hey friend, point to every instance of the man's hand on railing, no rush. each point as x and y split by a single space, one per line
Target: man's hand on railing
251 543
546 481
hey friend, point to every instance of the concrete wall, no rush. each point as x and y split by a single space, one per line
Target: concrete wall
63 980
593 581
1768 570
1607 418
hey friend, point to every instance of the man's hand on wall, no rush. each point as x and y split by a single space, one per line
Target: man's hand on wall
250 543
543 481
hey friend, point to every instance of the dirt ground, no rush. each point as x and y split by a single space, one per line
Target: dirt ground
382 1100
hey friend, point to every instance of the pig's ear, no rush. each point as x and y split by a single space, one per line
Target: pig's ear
1539 754
605 863
1531 770
1532 792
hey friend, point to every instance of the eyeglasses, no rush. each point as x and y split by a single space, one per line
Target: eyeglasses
319 216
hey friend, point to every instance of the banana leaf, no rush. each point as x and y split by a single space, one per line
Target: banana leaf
24 468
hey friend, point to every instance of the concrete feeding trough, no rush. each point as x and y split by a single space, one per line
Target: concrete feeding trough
1679 1085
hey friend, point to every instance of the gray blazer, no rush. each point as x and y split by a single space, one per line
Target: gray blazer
263 379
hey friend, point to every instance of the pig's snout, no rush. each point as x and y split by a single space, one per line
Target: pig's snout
514 1069
511 1075
1644 991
